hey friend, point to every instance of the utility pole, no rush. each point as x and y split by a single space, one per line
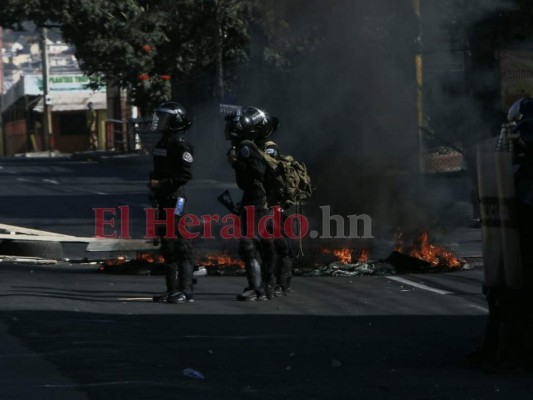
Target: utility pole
419 86
47 112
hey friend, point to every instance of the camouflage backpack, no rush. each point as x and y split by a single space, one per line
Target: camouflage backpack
287 181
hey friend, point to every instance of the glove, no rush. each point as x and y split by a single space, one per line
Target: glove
232 156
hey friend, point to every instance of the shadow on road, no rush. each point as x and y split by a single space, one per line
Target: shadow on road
112 356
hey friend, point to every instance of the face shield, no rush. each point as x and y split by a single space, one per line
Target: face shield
514 115
155 122
161 121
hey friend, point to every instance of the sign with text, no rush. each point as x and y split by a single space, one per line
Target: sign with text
516 75
33 84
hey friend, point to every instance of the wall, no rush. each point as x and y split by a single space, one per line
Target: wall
15 137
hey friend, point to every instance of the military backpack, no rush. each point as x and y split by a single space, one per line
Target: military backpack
287 181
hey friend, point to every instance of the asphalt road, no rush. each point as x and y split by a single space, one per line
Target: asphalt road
59 194
70 332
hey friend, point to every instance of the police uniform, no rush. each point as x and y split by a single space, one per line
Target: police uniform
508 337
243 126
277 253
250 169
172 169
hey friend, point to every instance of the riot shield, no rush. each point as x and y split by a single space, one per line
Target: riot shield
501 246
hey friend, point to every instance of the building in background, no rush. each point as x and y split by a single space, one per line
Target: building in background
78 113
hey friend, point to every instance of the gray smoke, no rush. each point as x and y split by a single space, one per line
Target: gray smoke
348 108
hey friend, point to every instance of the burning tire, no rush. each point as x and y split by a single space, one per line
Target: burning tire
32 248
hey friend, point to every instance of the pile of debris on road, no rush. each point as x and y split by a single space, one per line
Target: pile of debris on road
397 263
421 256
149 263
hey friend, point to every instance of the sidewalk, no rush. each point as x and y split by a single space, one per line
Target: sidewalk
89 155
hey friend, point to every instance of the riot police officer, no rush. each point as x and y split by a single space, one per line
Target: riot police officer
172 166
242 128
278 252
519 325
507 222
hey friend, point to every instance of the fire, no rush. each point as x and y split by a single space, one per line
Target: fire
220 261
347 256
398 239
120 260
141 259
363 255
436 255
150 258
343 255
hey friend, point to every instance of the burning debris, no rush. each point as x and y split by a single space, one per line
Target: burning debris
435 256
216 261
142 264
364 254
221 265
153 264
421 256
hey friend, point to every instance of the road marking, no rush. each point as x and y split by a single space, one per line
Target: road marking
134 298
112 383
53 181
480 308
100 193
417 285
233 337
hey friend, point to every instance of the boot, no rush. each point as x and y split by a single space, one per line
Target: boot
185 283
284 276
254 291
269 279
171 281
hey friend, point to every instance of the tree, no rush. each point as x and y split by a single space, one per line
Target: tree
144 45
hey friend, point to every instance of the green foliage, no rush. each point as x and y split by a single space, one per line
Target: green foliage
145 44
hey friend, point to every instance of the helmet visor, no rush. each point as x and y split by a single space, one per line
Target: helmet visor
160 121
514 111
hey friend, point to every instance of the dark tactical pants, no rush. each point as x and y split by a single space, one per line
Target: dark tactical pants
508 337
177 253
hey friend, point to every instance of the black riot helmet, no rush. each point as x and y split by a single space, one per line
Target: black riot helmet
170 117
520 114
522 109
249 123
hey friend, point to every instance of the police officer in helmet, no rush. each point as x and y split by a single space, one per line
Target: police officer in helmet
278 256
242 129
508 337
172 169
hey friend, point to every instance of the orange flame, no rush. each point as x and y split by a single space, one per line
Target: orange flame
436 255
221 260
398 238
120 260
142 257
343 255
346 255
150 258
363 255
